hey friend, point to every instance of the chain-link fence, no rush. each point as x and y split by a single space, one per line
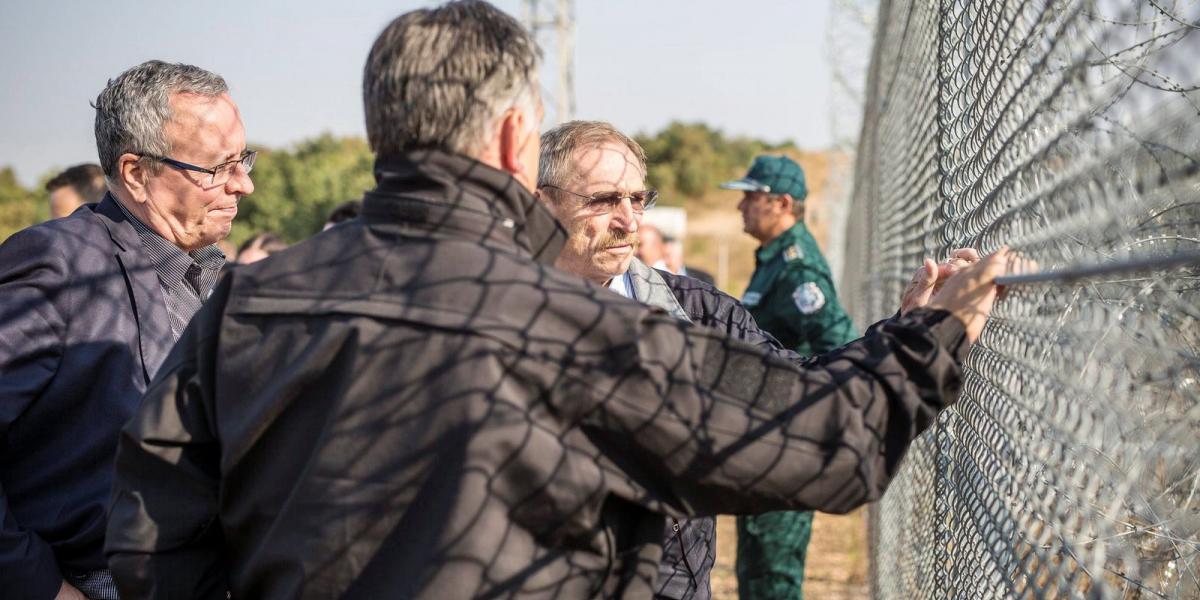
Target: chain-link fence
848 47
1070 131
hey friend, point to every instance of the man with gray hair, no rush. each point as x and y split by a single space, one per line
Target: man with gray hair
417 404
91 305
593 179
588 170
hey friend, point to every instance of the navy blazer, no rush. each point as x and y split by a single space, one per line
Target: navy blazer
83 328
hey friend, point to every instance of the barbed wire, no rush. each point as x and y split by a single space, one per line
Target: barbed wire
1071 132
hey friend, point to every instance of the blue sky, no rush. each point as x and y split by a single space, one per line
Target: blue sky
751 67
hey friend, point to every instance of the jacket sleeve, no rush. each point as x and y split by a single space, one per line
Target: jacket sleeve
163 538
32 276
710 307
739 431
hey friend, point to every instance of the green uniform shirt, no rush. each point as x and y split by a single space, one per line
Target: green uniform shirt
791 295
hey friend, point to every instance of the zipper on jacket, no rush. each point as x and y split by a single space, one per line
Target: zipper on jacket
683 552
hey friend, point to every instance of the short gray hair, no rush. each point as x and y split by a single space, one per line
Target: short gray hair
438 78
556 165
133 109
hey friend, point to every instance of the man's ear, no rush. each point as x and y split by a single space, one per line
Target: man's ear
786 202
547 201
133 174
513 128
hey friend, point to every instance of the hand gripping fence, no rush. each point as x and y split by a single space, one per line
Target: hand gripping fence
1069 130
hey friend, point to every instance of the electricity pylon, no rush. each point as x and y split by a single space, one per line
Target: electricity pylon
562 25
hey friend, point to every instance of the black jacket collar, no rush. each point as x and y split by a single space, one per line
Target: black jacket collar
457 196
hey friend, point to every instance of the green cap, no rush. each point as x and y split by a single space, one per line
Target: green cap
774 175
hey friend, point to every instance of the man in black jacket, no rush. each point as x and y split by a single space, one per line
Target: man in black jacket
418 405
89 306
584 162
581 163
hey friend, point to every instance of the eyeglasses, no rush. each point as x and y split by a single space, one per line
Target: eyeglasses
218 175
608 201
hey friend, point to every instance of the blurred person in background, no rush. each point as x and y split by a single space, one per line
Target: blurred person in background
74 187
91 305
259 247
673 249
651 250
342 213
791 296
417 404
665 252
228 249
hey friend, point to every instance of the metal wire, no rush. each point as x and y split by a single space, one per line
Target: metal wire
1138 265
1070 131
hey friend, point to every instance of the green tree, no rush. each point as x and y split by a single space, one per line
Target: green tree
297 187
19 207
688 160
294 190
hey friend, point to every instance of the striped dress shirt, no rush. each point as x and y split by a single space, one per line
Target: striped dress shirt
186 279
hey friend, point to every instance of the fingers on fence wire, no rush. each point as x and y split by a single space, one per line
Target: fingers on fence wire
968 255
970 294
1017 263
921 288
959 260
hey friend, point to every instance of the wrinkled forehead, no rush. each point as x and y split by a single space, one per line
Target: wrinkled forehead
211 124
606 163
199 110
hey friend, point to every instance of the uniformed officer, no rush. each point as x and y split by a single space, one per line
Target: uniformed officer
791 296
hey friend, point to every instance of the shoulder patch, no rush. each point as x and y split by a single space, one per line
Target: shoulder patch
808 298
751 299
793 253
